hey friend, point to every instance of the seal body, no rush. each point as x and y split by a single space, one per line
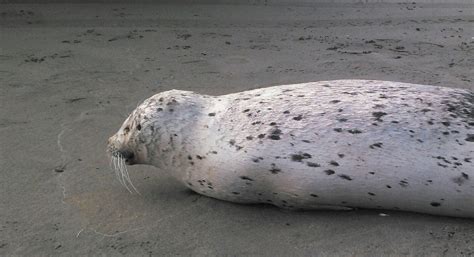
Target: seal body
323 145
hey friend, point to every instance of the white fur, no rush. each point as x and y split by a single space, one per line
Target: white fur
401 145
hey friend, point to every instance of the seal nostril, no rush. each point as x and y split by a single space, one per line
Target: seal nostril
127 155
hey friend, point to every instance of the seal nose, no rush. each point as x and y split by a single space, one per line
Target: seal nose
128 156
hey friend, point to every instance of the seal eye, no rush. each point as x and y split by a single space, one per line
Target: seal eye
126 130
139 127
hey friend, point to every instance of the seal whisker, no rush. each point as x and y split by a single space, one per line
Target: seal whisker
118 165
122 170
117 161
127 177
119 170
113 166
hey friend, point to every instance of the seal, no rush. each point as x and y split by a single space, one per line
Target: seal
322 145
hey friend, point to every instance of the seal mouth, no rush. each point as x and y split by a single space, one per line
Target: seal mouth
118 163
128 156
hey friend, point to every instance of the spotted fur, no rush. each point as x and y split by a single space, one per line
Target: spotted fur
322 145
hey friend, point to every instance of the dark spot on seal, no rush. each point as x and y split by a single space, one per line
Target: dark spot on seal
446 123
395 122
139 127
344 176
314 195
249 137
275 134
342 120
274 137
329 172
212 114
274 169
313 164
442 165
470 138
232 142
373 146
261 136
286 112
246 178
306 141
190 157
461 179
403 183
338 129
372 173
378 115
335 101
126 129
334 163
199 157
299 117
354 131
159 109
370 193
246 110
272 123
236 193
300 156
341 155
435 204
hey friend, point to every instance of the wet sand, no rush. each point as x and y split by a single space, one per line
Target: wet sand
71 73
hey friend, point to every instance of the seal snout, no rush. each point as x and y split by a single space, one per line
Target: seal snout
127 155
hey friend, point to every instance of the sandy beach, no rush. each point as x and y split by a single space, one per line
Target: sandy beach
71 73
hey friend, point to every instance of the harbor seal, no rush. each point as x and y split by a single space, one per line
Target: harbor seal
322 145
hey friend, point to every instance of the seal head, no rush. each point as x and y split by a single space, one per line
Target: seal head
128 142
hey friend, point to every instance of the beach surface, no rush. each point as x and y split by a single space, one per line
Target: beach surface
71 73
